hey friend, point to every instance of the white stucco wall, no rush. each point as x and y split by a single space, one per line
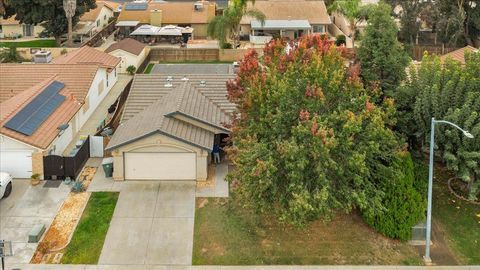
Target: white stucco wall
94 97
103 16
61 142
7 143
159 143
128 59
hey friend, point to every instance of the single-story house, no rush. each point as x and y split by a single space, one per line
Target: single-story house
459 55
285 18
94 20
130 51
45 105
192 14
169 127
11 28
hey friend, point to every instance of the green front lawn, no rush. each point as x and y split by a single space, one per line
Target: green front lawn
88 238
226 234
459 219
41 43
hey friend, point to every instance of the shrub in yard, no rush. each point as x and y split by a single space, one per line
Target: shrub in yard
131 69
227 45
404 205
341 40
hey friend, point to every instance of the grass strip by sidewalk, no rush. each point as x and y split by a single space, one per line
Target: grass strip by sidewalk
42 43
88 238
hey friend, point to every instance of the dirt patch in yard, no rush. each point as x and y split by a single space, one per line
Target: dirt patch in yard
63 225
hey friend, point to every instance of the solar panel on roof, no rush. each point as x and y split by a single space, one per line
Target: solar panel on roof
136 6
27 120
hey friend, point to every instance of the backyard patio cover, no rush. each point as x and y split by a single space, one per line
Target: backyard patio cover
169 30
127 23
146 30
281 25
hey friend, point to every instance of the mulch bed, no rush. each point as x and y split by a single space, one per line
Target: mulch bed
61 230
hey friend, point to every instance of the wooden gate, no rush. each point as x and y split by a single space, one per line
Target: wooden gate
53 167
58 167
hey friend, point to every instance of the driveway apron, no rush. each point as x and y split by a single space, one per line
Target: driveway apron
152 224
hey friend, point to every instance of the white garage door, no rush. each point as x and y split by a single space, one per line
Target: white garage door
16 163
160 166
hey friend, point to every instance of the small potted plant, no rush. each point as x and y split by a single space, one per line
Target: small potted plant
35 179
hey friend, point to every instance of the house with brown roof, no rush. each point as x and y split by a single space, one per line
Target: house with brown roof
459 55
12 28
43 106
285 18
169 127
130 51
184 14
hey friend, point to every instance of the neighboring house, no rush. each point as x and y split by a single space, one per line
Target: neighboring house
169 126
285 18
459 55
94 20
192 14
130 51
45 105
11 28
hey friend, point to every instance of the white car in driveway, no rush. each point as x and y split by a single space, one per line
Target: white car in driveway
5 184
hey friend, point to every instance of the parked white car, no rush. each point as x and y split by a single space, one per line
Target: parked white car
5 184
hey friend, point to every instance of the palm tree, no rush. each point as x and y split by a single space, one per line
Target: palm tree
228 25
10 55
353 11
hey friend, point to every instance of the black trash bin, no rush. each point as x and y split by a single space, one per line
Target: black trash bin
107 164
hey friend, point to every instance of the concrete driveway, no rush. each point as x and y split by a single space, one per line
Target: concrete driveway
24 208
152 224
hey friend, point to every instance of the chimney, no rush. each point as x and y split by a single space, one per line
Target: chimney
156 17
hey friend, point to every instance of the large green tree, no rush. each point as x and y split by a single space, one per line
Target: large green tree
49 14
458 21
227 26
449 91
412 14
382 57
307 140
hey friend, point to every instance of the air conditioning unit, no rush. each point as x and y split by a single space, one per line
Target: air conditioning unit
42 57
198 6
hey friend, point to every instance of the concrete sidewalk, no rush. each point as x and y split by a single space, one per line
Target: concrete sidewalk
270 267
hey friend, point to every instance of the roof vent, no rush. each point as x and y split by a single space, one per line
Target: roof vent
203 83
185 78
168 84
169 78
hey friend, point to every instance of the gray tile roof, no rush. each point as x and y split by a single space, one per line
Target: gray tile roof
152 105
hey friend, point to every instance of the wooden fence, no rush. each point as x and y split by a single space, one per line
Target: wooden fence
183 54
418 51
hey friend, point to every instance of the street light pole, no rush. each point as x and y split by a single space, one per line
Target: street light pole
467 134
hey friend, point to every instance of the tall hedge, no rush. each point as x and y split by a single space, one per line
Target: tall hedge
404 205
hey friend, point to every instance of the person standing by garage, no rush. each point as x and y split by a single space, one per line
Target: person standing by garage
216 153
